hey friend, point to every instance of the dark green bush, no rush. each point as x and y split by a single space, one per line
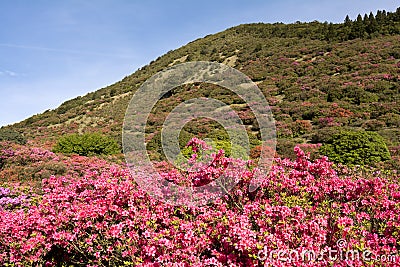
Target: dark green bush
356 148
391 119
324 135
391 136
12 136
285 147
88 144
373 125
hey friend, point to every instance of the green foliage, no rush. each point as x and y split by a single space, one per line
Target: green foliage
70 104
391 120
356 148
154 146
12 136
113 92
324 135
234 151
391 135
88 144
222 135
285 147
369 27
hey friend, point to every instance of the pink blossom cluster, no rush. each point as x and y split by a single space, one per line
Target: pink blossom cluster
328 121
9 199
104 219
30 164
23 154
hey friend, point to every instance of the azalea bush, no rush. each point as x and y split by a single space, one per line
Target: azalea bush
30 164
102 218
9 200
24 163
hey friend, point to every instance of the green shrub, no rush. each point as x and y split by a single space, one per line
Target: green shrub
324 135
285 147
88 144
356 148
234 151
222 135
391 136
12 136
391 119
373 125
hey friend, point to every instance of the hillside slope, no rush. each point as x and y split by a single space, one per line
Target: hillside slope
316 77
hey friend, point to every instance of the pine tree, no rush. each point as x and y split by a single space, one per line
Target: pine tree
373 25
384 14
359 19
330 34
358 28
347 21
366 19
379 17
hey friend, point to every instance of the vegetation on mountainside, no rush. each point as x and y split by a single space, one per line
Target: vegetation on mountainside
315 76
12 136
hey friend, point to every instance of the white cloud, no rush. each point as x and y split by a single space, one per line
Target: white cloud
8 73
68 51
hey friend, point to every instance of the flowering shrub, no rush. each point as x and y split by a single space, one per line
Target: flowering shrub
104 219
23 163
32 164
15 196
9 200
328 122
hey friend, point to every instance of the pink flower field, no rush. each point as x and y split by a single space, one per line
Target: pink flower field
306 213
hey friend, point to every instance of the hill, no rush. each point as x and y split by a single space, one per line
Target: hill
331 84
317 77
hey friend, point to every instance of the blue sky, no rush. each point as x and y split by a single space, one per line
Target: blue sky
52 51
